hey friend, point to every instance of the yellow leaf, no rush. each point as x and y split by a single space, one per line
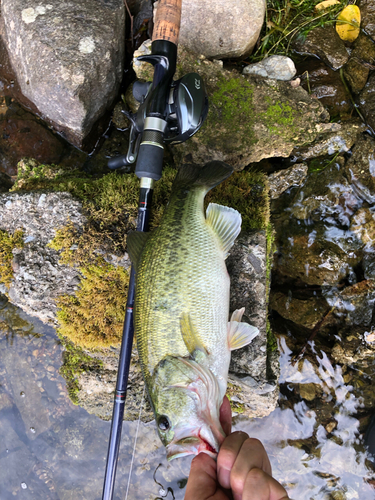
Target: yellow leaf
326 4
348 22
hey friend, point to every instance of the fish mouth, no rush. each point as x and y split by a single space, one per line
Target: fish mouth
193 445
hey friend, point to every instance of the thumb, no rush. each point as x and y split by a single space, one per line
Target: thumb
202 483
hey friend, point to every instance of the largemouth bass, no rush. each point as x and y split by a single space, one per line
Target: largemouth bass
182 309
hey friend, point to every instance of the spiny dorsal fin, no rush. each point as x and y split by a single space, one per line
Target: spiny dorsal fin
210 175
240 334
226 222
135 243
190 335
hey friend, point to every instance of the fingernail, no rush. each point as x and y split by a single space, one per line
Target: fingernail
224 477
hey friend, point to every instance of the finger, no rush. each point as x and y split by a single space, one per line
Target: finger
252 455
228 453
226 416
260 486
202 483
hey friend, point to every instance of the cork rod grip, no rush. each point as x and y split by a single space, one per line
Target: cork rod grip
167 21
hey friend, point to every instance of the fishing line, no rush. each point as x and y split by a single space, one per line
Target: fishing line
135 443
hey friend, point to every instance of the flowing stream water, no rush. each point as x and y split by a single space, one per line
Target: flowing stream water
51 449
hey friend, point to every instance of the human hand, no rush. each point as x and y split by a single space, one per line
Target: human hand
242 472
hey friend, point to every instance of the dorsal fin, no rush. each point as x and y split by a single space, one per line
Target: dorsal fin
135 244
226 222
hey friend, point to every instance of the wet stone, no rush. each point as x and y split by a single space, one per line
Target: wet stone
367 9
276 67
367 101
360 167
361 60
355 303
326 44
309 391
284 179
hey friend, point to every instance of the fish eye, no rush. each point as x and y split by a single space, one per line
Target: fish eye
163 423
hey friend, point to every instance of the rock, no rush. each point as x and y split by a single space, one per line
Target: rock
357 69
283 179
309 391
363 226
367 101
355 303
250 118
40 277
340 140
360 168
326 44
22 134
5 182
367 9
306 313
254 381
276 67
68 59
218 29
143 70
327 85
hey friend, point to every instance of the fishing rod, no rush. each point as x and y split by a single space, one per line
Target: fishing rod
169 113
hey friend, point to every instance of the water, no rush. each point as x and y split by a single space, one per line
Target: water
51 449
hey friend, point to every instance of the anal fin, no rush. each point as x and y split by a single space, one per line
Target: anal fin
239 333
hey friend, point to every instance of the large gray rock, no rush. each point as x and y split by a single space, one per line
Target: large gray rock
367 101
68 58
39 277
220 29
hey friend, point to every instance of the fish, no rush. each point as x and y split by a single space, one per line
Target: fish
181 312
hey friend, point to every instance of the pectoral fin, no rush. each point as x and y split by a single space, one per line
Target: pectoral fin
136 242
239 333
226 222
190 336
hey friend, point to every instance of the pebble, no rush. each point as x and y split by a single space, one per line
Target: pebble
23 486
275 67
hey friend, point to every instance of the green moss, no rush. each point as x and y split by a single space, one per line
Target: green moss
247 192
75 362
231 107
271 339
236 406
278 117
8 243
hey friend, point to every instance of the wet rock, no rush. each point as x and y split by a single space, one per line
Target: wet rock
367 9
363 226
208 27
306 313
326 196
326 85
250 118
360 168
355 303
326 44
340 140
5 182
283 179
21 134
367 101
362 58
276 67
40 278
309 391
353 348
68 59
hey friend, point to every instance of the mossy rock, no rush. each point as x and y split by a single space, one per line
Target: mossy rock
249 118
8 242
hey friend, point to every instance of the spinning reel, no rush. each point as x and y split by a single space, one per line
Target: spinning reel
184 112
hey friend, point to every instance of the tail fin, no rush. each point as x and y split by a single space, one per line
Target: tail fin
192 176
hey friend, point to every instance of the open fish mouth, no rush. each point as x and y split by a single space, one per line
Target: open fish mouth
192 445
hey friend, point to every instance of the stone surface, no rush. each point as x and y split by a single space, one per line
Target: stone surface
355 304
68 58
362 58
276 67
367 9
306 313
5 182
326 44
367 101
340 140
40 279
250 118
360 168
284 179
23 135
218 29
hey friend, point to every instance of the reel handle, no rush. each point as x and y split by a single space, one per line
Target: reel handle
167 21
